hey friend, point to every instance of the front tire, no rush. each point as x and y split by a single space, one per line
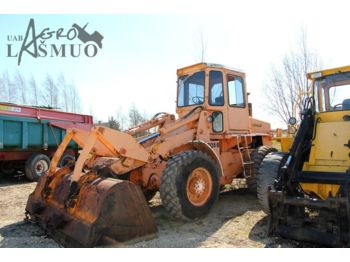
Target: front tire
257 156
266 177
189 185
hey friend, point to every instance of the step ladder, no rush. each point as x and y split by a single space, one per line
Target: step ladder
247 163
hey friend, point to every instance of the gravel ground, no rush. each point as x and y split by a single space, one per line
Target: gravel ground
234 221
14 231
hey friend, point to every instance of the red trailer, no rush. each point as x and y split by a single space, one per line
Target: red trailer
29 136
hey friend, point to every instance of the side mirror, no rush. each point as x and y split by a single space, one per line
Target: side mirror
292 121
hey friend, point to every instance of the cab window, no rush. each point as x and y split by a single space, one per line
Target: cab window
191 89
216 96
235 91
334 92
339 97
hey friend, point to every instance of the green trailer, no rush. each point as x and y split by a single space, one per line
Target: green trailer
29 136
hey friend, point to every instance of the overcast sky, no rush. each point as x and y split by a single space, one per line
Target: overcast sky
141 52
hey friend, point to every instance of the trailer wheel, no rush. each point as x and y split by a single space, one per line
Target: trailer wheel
65 159
36 165
257 157
189 185
266 177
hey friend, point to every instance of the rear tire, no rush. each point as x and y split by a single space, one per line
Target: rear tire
65 159
36 165
266 177
257 157
189 185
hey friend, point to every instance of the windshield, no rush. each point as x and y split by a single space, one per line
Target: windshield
334 92
191 89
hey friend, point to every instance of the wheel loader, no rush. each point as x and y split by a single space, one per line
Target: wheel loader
308 198
101 199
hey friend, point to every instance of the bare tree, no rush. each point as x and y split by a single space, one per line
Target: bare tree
3 94
34 88
135 116
10 92
70 97
56 94
51 91
64 91
288 86
74 98
113 123
21 86
121 118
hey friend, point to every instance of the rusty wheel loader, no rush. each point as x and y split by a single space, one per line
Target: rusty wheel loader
102 197
309 200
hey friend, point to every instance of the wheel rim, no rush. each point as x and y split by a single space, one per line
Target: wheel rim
40 167
199 186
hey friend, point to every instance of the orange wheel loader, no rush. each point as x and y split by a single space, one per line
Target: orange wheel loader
102 197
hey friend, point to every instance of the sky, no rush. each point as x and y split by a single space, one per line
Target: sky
141 52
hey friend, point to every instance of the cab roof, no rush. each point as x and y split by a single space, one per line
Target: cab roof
325 72
202 66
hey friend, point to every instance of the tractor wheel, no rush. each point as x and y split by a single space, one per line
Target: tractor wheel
257 157
36 165
266 177
65 159
189 185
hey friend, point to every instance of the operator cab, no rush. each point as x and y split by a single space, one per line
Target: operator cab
218 89
332 89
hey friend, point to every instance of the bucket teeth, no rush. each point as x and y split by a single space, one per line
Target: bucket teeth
100 211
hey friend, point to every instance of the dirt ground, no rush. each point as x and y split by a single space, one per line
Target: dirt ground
235 221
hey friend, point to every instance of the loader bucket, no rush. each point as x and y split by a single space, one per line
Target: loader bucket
101 211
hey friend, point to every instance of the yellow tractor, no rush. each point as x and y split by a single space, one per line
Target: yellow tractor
101 198
308 198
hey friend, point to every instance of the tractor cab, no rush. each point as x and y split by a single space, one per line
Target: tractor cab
217 89
331 89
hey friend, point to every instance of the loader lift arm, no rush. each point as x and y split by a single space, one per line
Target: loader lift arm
157 120
301 146
102 142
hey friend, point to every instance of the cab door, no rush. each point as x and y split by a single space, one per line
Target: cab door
238 113
216 99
